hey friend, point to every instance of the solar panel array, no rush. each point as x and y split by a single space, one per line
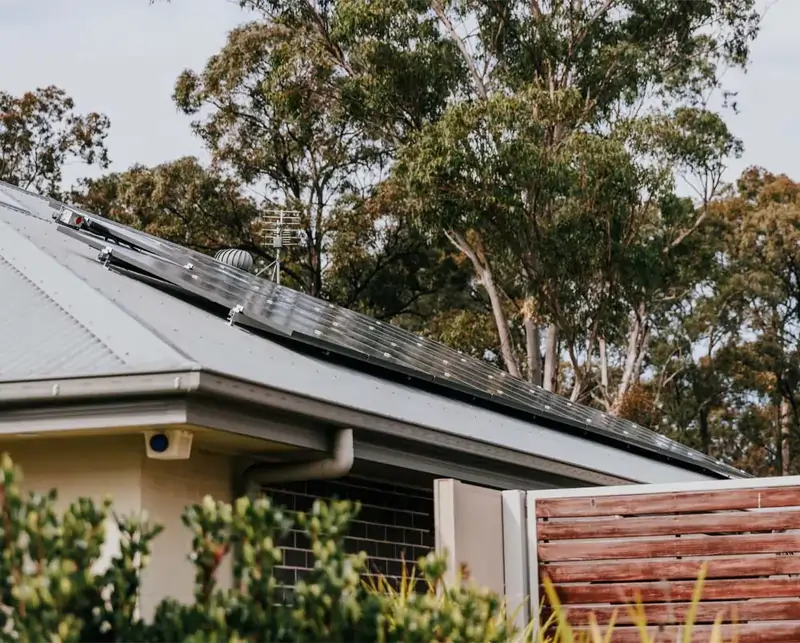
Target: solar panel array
257 302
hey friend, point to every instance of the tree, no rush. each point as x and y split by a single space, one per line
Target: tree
540 140
527 84
267 108
577 224
181 201
762 232
276 112
385 267
725 363
40 133
377 265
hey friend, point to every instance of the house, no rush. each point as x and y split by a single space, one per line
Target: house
136 368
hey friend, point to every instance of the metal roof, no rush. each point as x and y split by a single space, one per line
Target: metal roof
55 322
48 341
108 324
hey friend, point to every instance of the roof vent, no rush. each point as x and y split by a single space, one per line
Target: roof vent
235 257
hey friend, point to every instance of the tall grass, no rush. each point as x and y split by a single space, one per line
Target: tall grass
557 628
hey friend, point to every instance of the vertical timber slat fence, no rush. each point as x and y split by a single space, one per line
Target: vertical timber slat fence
604 549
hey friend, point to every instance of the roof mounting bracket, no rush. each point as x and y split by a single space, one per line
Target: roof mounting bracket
104 256
234 313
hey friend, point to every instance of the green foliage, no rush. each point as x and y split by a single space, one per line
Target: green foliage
54 586
40 133
181 201
746 389
513 131
279 109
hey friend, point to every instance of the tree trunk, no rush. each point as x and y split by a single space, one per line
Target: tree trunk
484 272
534 351
635 346
550 379
786 429
506 346
644 340
603 354
705 434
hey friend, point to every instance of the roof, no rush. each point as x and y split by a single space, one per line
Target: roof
91 321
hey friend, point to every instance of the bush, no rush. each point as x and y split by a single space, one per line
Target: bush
52 589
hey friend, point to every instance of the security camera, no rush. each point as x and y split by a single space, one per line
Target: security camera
168 445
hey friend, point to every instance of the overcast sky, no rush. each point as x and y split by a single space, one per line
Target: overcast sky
121 57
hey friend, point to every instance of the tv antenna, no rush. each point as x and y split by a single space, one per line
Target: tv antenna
282 229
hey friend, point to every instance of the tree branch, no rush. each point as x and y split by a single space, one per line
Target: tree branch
484 273
480 85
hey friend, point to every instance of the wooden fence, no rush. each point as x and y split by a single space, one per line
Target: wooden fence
605 548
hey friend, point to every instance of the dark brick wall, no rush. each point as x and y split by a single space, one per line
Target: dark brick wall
395 523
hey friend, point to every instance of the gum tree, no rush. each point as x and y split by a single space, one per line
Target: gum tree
40 132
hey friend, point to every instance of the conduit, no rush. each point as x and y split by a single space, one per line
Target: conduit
336 465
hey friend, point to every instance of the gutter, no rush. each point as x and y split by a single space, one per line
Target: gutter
135 384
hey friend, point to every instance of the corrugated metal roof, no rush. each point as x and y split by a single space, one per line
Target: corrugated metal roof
38 206
40 339
53 321
9 201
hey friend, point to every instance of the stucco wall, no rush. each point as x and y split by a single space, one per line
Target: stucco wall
167 487
117 466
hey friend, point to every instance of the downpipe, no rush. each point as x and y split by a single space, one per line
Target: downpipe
337 464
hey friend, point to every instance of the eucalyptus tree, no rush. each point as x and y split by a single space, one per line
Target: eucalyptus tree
539 138
552 171
40 132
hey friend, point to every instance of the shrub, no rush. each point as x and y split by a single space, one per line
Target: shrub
53 589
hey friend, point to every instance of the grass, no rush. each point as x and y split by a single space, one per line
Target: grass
560 631
557 628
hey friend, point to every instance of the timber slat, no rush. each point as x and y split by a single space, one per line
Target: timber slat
705 612
664 591
712 523
671 569
668 547
744 633
651 548
668 503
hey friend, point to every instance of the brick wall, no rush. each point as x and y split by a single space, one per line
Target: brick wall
395 523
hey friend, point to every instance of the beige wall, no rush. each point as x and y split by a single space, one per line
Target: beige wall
167 487
117 466
485 529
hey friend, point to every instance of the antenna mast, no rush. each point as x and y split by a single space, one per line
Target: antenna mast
282 229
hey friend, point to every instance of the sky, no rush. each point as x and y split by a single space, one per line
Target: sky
121 58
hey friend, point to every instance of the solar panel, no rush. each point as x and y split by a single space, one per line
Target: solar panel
260 303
